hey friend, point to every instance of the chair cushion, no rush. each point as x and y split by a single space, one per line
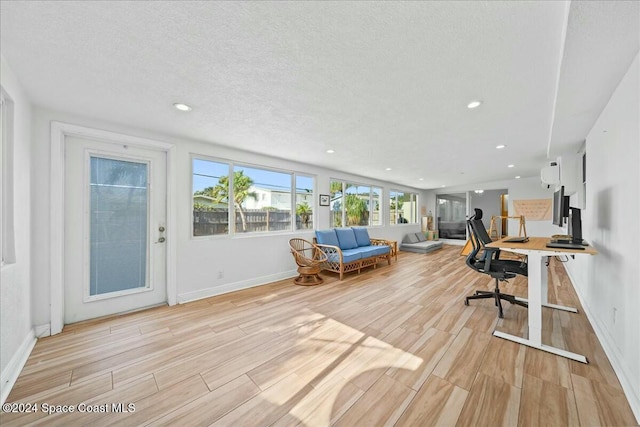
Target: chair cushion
410 238
327 237
421 237
362 236
348 256
347 238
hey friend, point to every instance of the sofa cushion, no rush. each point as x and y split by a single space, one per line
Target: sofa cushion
362 236
371 251
410 238
327 237
421 237
347 238
348 255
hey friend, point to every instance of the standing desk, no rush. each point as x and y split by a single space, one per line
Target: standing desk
537 253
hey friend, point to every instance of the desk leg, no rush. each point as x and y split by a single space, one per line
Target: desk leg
537 271
544 280
544 290
537 292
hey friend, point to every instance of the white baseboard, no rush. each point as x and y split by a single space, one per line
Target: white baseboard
43 330
14 367
235 286
611 350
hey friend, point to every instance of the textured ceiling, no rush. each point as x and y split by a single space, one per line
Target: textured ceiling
385 84
602 40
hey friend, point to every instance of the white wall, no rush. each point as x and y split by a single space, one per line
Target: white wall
245 260
16 335
518 189
489 202
610 282
531 189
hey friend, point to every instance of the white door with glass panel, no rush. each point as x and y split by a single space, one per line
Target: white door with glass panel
115 227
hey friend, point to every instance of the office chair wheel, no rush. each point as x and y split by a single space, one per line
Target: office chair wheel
466 301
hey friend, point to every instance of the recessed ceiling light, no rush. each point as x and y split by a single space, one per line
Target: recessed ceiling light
479 191
182 107
330 151
511 166
387 169
420 179
500 147
443 186
518 177
474 104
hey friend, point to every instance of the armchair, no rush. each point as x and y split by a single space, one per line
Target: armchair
308 257
489 263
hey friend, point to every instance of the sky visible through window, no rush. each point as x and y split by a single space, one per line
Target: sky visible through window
206 174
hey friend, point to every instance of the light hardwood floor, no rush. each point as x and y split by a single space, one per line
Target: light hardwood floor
391 346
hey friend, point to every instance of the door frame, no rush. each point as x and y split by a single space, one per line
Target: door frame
59 132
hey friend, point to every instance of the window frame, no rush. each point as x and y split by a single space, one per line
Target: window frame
313 204
414 212
193 157
344 183
231 213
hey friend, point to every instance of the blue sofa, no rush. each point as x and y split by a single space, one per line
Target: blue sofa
350 249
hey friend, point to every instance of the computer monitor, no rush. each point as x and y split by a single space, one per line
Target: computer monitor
560 207
575 225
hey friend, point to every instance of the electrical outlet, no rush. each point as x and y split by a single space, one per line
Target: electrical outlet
220 274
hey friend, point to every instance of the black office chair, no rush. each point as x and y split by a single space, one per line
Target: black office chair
490 263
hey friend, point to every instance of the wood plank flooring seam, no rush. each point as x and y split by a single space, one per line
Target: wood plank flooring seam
402 328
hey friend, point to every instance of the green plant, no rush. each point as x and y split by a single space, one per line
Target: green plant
304 211
241 186
356 210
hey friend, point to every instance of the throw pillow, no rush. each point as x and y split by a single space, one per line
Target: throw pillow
410 238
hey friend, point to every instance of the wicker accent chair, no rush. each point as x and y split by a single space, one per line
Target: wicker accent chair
309 258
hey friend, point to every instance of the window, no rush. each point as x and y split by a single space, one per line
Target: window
336 204
258 200
6 179
304 202
403 207
451 210
354 204
210 198
376 209
253 214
